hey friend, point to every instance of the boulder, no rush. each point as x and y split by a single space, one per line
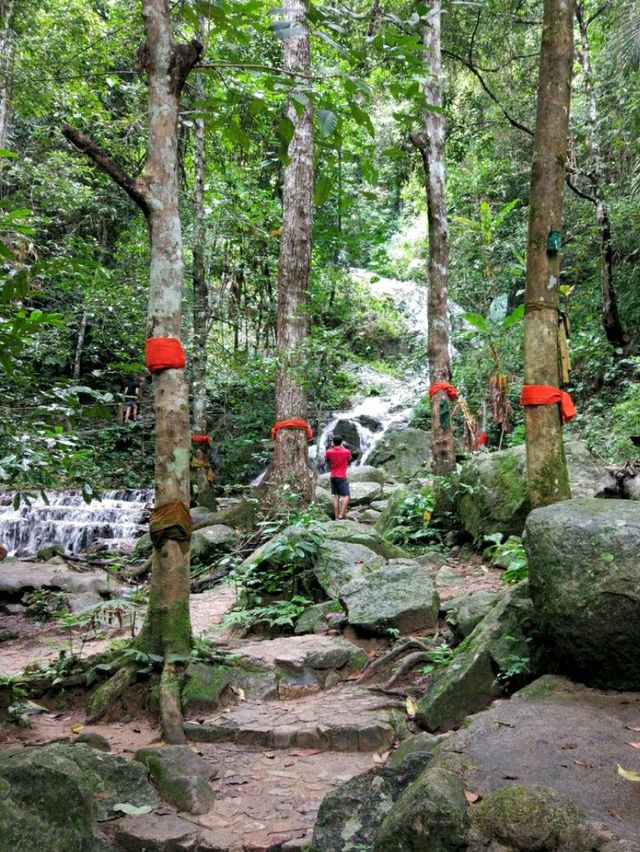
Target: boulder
241 515
464 613
3 552
203 686
370 516
399 596
585 584
349 431
209 543
48 552
403 453
314 619
181 776
342 562
369 422
430 814
355 533
93 740
364 473
166 833
18 577
494 498
470 682
143 547
531 819
53 796
350 816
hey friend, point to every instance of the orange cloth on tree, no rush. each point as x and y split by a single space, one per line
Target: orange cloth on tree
548 395
164 353
200 438
452 393
294 423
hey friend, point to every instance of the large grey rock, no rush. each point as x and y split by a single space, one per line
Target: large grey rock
403 453
349 431
342 562
585 584
365 473
464 613
350 816
430 814
166 833
181 776
355 533
17 577
495 495
314 619
51 797
212 542
399 595
364 493
470 682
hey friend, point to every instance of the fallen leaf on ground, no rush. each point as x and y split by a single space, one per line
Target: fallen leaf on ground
628 774
586 765
634 745
381 758
372 654
635 728
614 812
269 754
305 752
567 746
75 729
499 724
412 707
472 797
165 811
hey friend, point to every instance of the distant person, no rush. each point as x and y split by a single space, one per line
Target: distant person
131 400
338 457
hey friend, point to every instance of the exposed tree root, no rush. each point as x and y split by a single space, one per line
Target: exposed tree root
170 706
110 691
409 662
382 663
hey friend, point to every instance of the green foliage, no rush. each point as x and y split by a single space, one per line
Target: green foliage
411 522
509 555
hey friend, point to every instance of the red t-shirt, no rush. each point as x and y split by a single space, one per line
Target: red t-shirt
338 458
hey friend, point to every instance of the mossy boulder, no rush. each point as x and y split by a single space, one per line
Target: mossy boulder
464 613
403 453
399 595
350 816
314 619
181 776
530 819
470 682
494 494
430 814
355 533
342 562
365 473
203 686
52 797
585 585
209 543
49 552
240 515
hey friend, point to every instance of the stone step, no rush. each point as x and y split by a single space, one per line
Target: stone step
342 719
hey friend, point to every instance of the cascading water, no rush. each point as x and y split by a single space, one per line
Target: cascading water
115 520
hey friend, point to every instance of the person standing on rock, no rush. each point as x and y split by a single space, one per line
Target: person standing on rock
338 457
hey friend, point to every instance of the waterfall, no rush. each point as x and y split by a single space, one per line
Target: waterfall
65 519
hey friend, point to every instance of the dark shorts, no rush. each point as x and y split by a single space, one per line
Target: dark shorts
340 486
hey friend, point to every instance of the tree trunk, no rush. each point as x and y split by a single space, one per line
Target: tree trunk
289 465
7 47
432 150
546 465
167 626
80 344
610 317
205 494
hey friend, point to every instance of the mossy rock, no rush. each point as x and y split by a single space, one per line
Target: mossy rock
403 453
464 613
430 814
469 683
355 533
203 686
313 619
49 552
530 819
240 515
181 776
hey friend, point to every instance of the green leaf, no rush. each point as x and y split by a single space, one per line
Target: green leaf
322 190
478 321
327 121
132 810
514 317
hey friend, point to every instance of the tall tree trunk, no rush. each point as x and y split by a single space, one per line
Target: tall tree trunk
200 318
432 147
7 48
546 465
167 627
610 317
289 465
80 344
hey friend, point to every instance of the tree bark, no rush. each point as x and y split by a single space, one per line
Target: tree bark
610 316
289 465
167 626
547 475
205 494
432 150
80 344
7 48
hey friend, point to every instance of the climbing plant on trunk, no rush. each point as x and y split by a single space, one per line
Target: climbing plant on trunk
546 464
289 464
167 627
431 144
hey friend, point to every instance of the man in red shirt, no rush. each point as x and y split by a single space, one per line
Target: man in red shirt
338 458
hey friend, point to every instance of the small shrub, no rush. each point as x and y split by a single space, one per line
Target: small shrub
509 555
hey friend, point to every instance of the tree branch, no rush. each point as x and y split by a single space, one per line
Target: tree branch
135 188
512 121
